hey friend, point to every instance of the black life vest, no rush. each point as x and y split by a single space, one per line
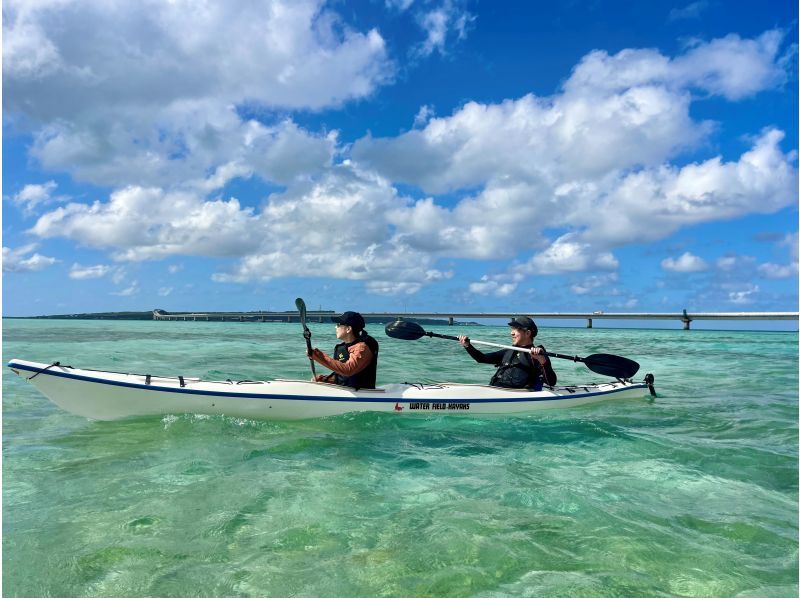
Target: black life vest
518 370
366 377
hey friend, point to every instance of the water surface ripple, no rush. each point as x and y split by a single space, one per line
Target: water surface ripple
693 494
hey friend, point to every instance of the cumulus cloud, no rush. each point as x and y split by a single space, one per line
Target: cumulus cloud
593 158
568 254
151 93
148 223
591 162
684 263
294 54
18 260
653 203
731 67
34 195
499 285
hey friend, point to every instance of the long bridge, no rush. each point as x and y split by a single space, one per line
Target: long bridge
320 315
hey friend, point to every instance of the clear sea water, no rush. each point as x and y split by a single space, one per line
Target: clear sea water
692 494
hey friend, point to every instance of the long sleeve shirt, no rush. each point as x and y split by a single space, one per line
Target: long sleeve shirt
359 358
496 358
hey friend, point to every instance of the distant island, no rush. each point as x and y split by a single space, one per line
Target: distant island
109 315
251 316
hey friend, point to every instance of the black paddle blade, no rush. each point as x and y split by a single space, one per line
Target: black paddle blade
407 331
301 307
611 365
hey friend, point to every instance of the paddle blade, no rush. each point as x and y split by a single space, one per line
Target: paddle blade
407 331
611 365
301 308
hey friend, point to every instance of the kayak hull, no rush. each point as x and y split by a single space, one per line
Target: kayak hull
112 395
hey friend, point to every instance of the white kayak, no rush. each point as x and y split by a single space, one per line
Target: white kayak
112 395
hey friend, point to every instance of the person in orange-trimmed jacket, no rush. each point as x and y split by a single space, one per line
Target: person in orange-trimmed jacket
355 359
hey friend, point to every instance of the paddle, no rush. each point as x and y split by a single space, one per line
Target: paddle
301 307
600 363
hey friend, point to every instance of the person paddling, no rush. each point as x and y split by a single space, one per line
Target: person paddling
516 369
355 359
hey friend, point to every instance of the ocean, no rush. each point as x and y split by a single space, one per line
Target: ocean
694 493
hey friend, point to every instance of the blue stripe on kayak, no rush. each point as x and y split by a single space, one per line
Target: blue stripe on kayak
250 395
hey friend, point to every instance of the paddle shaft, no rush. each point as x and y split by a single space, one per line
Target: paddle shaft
520 349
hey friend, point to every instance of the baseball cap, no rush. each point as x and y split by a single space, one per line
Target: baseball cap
525 323
350 318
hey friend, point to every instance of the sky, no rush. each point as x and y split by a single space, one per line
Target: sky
414 155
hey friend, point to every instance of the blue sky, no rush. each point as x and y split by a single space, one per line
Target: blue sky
400 154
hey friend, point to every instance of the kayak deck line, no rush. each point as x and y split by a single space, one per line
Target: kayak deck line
104 395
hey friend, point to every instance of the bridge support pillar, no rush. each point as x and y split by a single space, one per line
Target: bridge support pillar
686 320
450 321
588 322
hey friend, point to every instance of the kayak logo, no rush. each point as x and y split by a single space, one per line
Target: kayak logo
397 407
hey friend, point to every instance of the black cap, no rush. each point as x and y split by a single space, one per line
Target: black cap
350 318
525 323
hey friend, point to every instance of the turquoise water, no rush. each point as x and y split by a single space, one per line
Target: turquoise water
693 494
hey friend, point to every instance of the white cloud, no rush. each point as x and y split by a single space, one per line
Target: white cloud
422 117
34 195
690 11
499 285
629 304
591 161
743 296
592 283
18 260
684 263
164 291
771 270
133 289
653 203
730 66
78 272
727 263
149 223
567 254
295 54
333 227
150 93
733 67
447 21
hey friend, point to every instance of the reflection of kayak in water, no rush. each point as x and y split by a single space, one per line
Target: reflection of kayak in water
112 395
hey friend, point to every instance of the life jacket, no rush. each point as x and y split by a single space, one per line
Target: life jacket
518 370
366 377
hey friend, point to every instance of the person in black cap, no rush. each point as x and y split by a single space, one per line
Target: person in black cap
516 369
355 359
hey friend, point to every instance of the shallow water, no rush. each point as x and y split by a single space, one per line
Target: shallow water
693 494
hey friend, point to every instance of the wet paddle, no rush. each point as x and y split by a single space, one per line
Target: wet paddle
301 308
600 363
